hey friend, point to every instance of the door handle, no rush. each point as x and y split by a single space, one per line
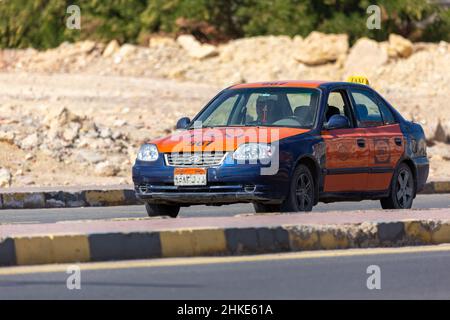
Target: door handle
398 141
361 143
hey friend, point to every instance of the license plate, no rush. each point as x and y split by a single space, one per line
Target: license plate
189 177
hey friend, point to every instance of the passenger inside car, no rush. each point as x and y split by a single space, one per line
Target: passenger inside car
331 111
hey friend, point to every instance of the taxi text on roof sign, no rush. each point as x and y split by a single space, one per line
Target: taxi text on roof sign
358 79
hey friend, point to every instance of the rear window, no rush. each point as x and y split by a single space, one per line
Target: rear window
388 117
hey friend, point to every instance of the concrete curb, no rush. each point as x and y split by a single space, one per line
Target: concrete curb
68 199
112 197
73 248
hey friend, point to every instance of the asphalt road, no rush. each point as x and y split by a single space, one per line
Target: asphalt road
53 215
404 274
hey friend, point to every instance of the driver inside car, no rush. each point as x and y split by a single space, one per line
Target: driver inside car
266 111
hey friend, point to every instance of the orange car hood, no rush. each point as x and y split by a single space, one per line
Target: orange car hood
221 139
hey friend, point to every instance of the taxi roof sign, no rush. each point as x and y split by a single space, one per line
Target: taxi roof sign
358 79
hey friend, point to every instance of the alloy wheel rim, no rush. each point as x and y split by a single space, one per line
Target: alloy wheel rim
404 188
303 191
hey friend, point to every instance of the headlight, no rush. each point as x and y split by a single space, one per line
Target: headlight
253 151
148 152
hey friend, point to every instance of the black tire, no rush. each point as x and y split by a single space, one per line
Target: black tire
266 208
402 190
301 191
155 210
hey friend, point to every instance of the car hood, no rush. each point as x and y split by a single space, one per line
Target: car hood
221 139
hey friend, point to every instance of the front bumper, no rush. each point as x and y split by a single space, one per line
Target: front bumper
226 184
209 195
422 169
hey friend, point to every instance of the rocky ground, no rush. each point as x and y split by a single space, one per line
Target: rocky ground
76 114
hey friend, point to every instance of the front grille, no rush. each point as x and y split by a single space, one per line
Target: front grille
195 159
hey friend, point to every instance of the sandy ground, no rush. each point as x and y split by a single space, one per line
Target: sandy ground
141 108
146 108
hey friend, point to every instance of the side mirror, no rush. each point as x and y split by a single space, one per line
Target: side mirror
337 122
183 123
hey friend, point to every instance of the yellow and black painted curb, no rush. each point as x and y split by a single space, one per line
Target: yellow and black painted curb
436 187
68 199
73 248
113 197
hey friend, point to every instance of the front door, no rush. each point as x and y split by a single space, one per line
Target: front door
347 150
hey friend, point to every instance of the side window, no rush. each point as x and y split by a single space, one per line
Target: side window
388 117
336 104
366 109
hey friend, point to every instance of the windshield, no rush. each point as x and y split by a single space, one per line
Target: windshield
275 107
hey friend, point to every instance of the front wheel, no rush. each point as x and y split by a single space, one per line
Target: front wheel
401 194
301 191
155 210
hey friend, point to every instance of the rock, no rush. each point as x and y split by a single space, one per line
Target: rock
71 133
30 142
90 156
106 169
88 125
119 123
440 134
5 178
126 50
116 135
91 134
7 136
297 40
29 156
399 46
86 46
443 47
112 47
319 48
28 181
86 142
105 133
195 49
61 117
365 57
160 41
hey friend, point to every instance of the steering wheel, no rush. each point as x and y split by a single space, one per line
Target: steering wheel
288 118
293 118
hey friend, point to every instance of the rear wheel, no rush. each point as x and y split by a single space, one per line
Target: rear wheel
301 191
401 194
155 210
266 208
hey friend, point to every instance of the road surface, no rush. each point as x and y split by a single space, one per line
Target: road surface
53 215
405 273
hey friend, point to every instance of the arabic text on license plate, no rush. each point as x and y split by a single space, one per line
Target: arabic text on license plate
190 177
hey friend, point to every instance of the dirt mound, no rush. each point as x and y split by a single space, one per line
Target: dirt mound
93 120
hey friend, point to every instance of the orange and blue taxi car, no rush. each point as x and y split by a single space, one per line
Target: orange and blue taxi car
284 146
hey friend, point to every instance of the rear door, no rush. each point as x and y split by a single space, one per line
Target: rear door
347 151
385 138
